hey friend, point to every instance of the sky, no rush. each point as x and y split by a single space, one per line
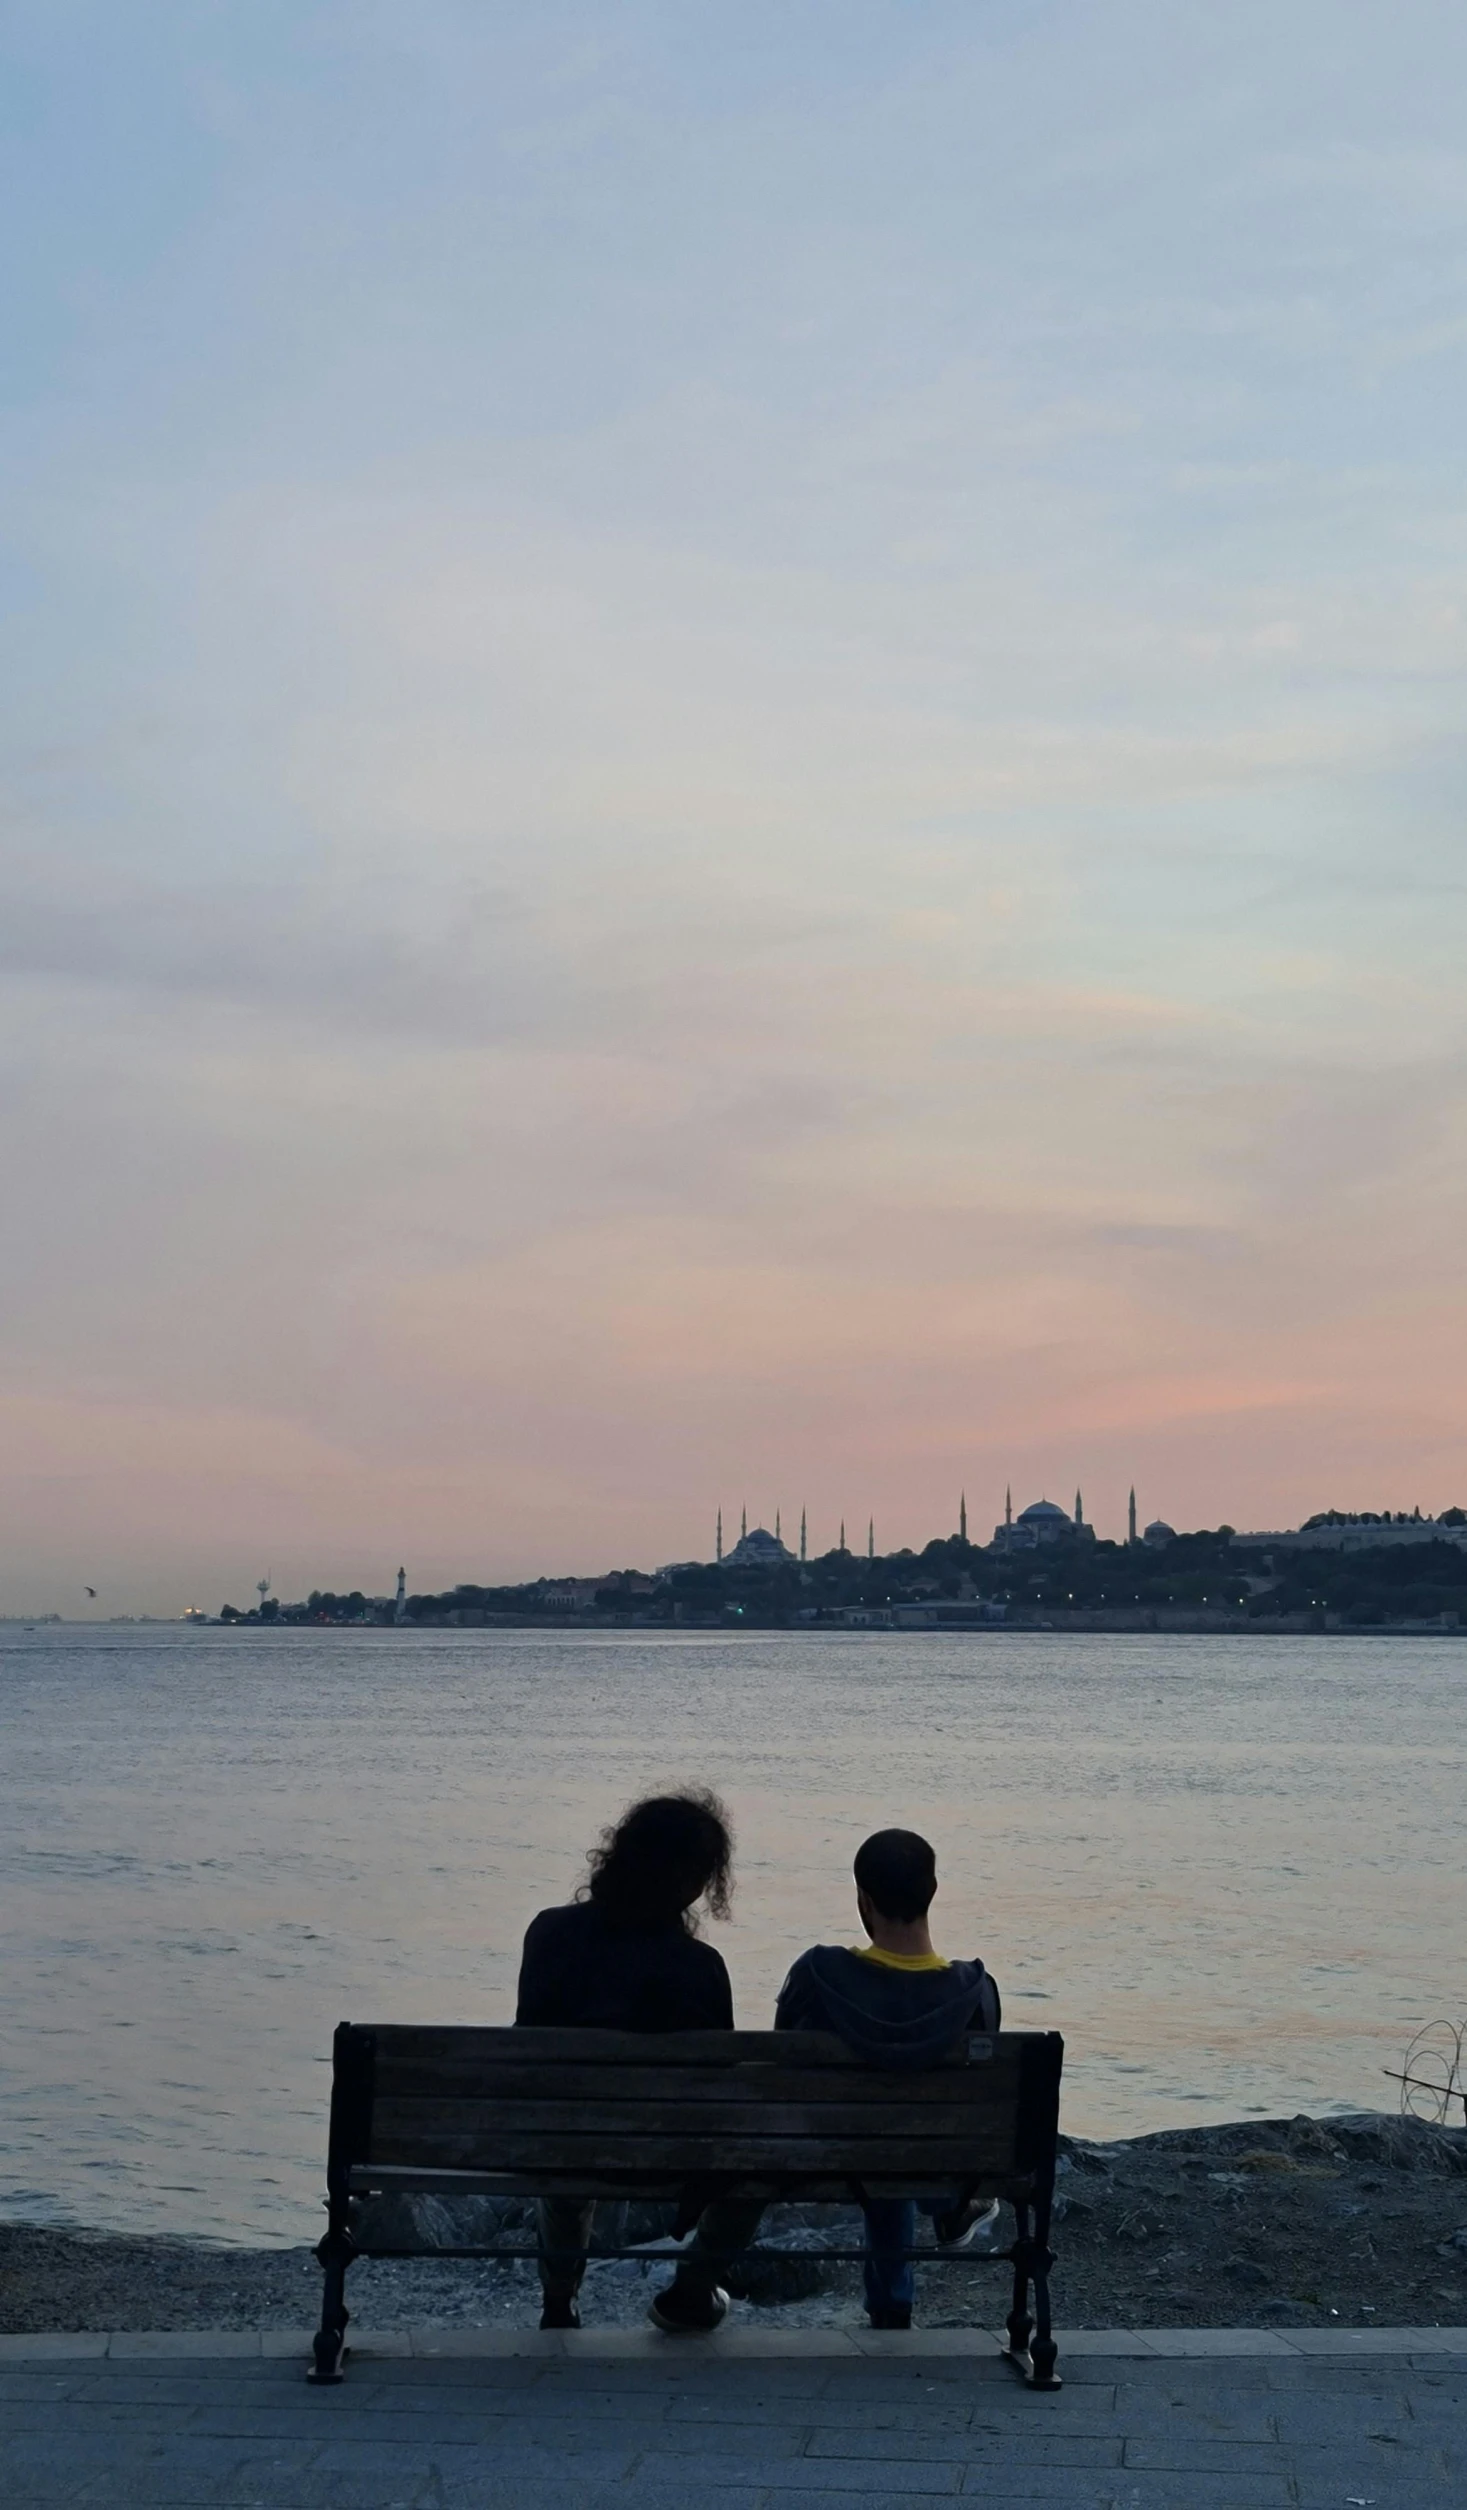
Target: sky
732 772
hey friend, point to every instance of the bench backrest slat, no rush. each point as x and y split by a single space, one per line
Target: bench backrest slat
917 2122
441 2045
410 2078
678 2156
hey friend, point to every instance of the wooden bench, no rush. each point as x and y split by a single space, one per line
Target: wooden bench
689 2116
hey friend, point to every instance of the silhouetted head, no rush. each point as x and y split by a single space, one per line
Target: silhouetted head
897 1871
664 1854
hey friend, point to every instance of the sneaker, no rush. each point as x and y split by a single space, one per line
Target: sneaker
897 2316
960 2228
689 2310
560 2314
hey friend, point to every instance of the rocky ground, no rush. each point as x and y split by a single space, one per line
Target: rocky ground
1295 2222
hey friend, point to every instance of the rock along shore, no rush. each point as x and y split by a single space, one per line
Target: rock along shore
1278 2222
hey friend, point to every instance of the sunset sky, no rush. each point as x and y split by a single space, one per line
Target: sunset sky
735 771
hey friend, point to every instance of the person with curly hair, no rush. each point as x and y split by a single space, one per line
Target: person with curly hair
625 1955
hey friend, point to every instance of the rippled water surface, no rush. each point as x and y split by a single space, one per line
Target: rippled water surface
1231 1872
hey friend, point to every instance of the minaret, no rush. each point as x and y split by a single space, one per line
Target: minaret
871 1540
1079 1511
718 1538
842 1543
743 1523
399 1609
963 1518
1008 1505
1131 1517
802 1534
777 1535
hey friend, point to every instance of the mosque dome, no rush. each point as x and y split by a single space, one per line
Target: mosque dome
1043 1512
1159 1532
758 1549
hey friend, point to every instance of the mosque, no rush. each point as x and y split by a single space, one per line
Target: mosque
759 1549
1039 1525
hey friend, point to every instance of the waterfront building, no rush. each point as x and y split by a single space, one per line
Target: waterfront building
943 1612
1039 1525
1337 1531
572 1594
758 1550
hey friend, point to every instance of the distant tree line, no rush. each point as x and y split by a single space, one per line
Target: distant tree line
1367 1516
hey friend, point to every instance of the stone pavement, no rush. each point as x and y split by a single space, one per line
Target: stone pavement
749 2420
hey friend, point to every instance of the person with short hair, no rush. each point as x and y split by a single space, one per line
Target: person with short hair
625 1955
895 2002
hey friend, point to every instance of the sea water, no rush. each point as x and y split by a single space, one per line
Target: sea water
1230 1870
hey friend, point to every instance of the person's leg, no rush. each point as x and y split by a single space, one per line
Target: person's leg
891 2225
723 2230
960 2226
563 2233
695 2301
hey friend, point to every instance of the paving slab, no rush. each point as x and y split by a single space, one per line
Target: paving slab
1365 2341
464 2419
54 2348
186 2345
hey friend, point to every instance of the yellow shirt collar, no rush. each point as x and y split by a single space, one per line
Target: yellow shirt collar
900 1960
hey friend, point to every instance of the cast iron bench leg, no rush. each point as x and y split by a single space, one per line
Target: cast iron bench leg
1043 2351
334 2254
1020 2325
1032 2260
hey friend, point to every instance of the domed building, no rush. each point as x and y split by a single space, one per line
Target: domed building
1039 1525
1158 1534
757 1549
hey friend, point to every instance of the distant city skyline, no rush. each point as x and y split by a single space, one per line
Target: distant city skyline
732 761
759 1546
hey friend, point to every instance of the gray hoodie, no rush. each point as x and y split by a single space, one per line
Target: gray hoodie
905 2019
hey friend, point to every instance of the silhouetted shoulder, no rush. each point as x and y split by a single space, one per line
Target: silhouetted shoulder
902 2018
578 1968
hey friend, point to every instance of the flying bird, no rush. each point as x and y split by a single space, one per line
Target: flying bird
90 1590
